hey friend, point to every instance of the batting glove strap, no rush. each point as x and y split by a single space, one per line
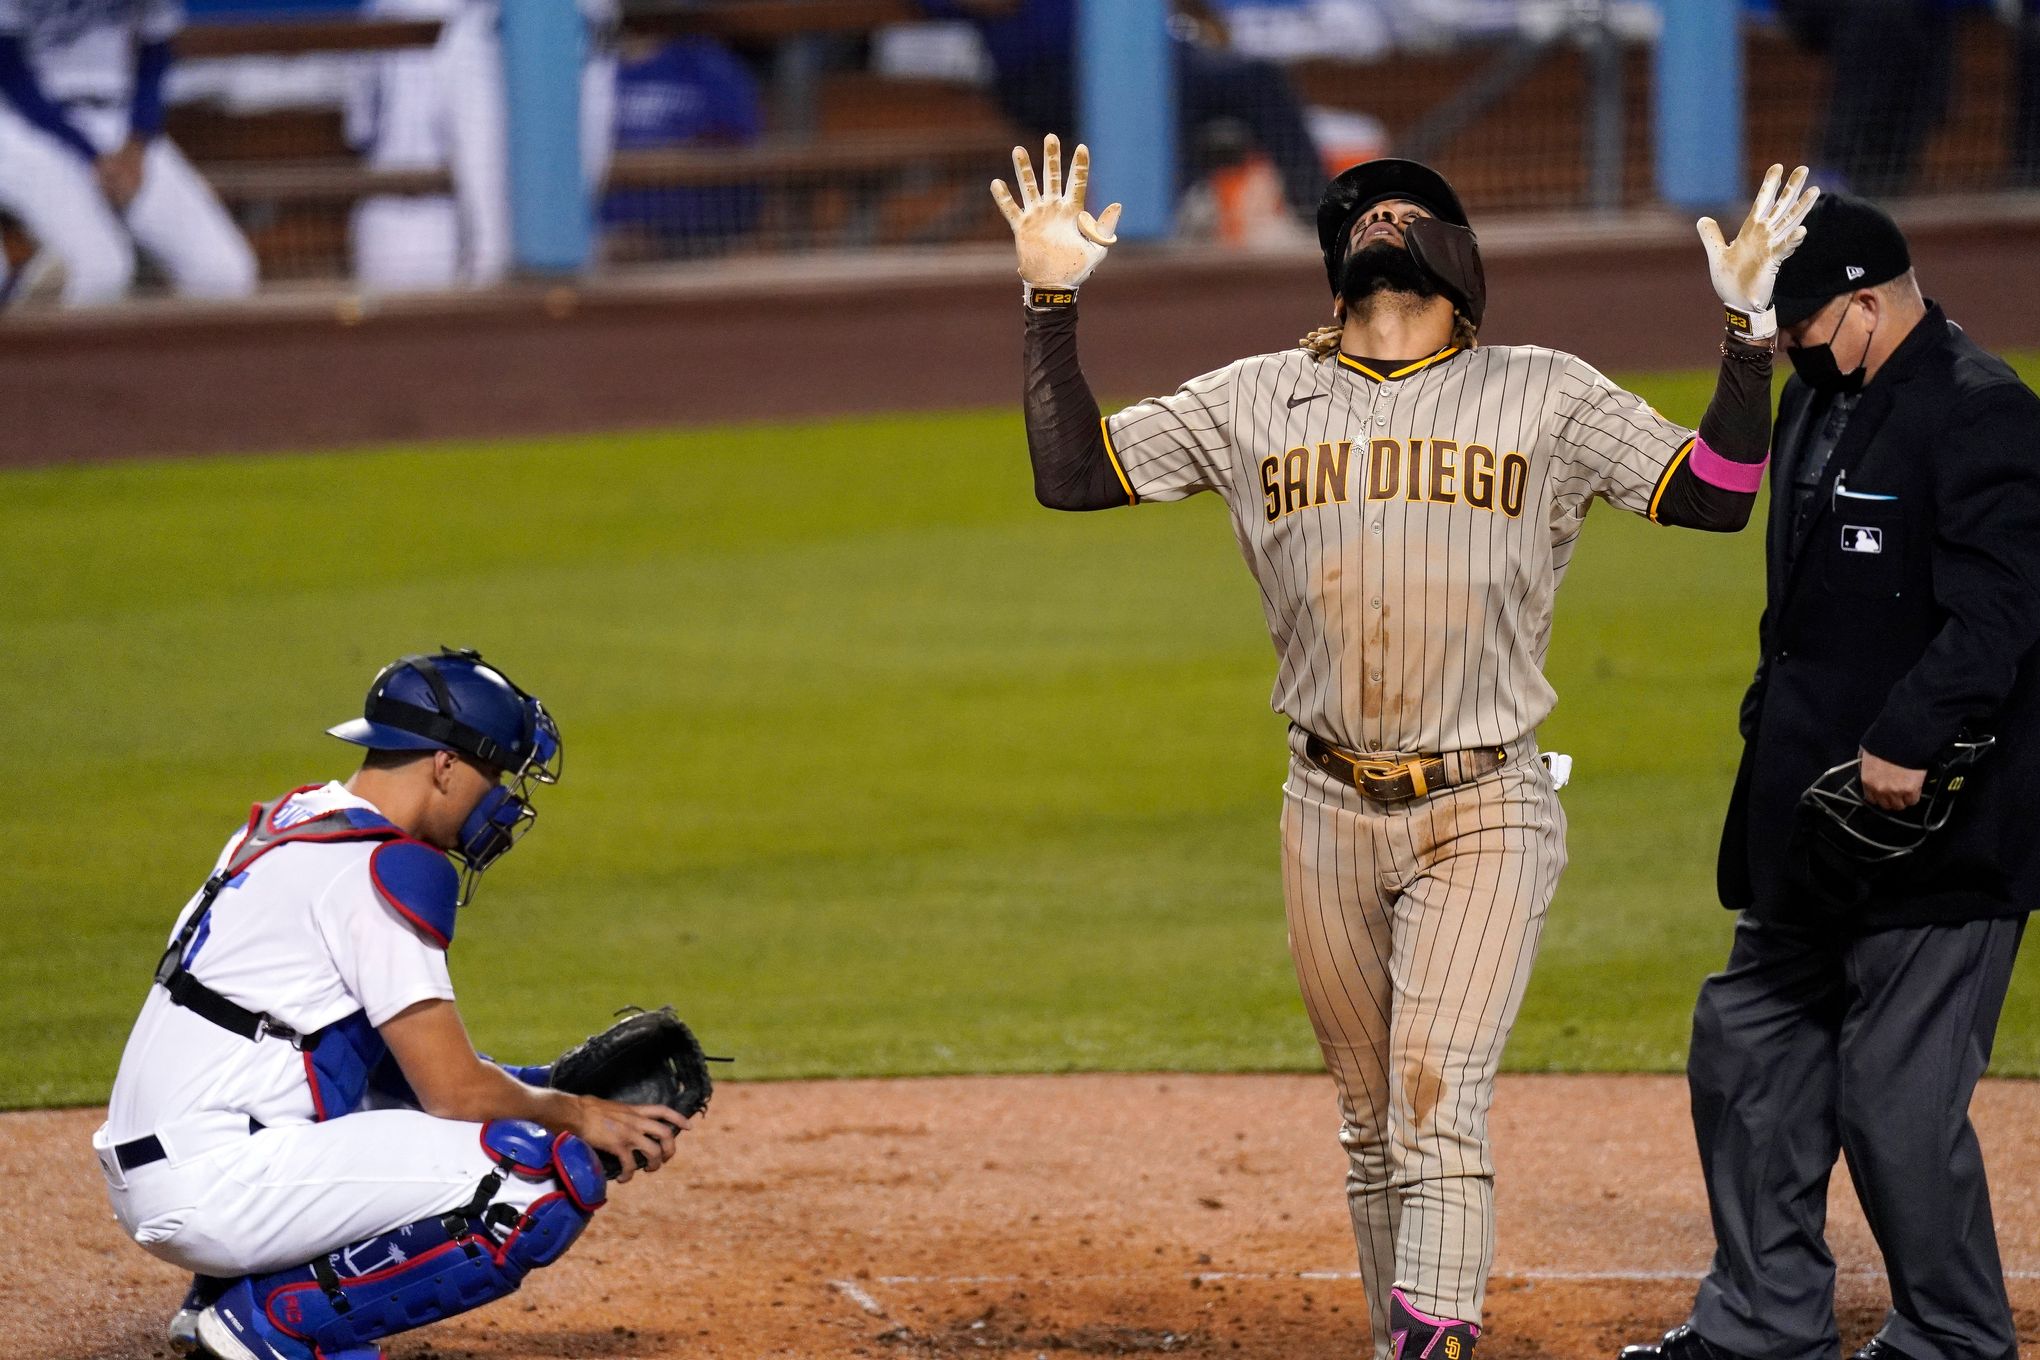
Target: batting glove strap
1041 299
1747 325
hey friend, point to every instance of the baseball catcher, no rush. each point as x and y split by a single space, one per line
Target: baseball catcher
300 1119
1407 499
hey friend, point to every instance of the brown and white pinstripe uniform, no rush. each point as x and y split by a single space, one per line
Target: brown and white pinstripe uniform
1409 531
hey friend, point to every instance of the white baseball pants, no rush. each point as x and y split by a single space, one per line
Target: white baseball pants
175 217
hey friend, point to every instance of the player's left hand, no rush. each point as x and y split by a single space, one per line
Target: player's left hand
120 173
1745 269
1892 788
1060 244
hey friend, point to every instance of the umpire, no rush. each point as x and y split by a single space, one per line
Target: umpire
1860 999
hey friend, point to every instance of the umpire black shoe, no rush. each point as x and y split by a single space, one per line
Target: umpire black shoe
1683 1343
1879 1349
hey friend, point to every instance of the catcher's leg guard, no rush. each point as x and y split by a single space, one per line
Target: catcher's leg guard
1415 1335
340 1304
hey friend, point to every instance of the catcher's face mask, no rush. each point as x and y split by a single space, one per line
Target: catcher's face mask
1836 813
454 701
505 812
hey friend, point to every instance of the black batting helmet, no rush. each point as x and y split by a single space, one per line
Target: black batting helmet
1451 258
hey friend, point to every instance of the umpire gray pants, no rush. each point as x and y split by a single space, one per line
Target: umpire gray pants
1813 1044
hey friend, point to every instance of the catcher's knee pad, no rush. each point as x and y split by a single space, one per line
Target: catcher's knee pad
428 1270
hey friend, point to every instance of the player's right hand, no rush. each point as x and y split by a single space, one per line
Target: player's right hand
1059 243
1745 269
640 1137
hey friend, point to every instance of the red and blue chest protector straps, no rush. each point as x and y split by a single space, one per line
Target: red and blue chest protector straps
412 879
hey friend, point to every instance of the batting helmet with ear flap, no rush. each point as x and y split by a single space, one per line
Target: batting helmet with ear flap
1443 245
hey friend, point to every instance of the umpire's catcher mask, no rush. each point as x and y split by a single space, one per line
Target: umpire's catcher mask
455 701
1843 823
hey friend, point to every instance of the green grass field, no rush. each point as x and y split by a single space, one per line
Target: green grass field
872 766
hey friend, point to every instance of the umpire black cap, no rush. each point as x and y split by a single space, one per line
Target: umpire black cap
1360 187
1850 243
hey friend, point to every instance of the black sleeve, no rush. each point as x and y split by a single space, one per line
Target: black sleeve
1737 426
1065 433
1986 565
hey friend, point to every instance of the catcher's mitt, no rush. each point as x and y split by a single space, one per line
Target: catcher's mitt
645 1058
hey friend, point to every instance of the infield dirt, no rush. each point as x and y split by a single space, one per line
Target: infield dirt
1035 1216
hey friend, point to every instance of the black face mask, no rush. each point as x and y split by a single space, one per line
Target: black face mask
1816 366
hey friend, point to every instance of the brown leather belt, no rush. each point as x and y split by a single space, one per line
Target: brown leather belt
1387 780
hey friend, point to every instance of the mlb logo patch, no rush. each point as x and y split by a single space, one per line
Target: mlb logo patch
1858 539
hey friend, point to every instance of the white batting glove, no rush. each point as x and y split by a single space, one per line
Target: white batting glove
1059 243
1558 766
1746 268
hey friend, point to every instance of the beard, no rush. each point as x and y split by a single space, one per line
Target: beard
1383 267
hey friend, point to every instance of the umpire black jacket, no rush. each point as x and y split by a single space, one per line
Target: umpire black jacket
1898 649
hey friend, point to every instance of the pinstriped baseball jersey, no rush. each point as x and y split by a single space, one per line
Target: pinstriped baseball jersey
1408 529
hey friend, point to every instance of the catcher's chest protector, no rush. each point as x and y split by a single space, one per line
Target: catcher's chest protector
413 879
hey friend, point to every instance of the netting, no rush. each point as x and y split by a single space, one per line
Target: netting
773 127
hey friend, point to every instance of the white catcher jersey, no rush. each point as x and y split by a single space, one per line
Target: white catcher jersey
85 49
1408 529
303 936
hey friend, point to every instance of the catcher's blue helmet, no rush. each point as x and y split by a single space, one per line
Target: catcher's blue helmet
454 701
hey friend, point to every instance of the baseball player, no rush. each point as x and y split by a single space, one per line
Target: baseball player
1408 501
83 160
446 107
299 1117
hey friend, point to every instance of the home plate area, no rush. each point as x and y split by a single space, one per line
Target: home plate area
1040 1216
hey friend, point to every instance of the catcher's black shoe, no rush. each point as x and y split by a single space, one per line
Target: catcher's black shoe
1680 1343
1877 1348
183 1330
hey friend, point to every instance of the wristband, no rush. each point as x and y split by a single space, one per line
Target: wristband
1753 325
1047 299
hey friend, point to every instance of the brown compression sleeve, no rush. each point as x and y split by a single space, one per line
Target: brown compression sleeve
1065 435
1714 487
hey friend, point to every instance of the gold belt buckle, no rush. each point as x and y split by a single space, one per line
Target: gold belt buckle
1387 771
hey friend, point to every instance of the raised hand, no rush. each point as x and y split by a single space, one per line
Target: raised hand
1745 269
1059 242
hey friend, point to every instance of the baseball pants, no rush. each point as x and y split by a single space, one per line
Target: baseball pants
174 218
447 107
227 1202
1413 927
1812 1044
